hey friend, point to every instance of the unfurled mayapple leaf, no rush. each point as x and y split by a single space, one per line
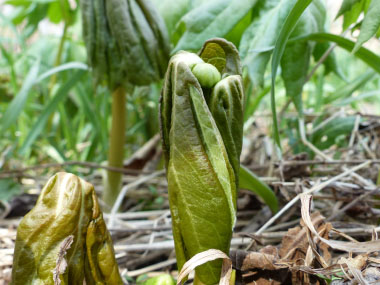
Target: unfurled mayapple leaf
201 117
63 239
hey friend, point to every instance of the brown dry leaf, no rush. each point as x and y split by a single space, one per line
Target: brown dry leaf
359 247
61 263
206 256
295 243
143 155
244 260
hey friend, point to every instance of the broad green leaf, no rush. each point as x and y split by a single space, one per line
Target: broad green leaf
214 19
260 35
248 180
346 6
236 33
172 11
330 63
17 105
352 15
362 53
50 108
370 25
296 57
54 12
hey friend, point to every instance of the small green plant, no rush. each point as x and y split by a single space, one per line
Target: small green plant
64 239
127 44
201 117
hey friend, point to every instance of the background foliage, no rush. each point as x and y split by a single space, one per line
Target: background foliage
50 109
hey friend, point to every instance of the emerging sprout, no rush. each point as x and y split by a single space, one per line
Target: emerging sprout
207 74
202 130
64 239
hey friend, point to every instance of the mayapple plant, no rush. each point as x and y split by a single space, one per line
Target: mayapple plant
127 44
64 239
201 116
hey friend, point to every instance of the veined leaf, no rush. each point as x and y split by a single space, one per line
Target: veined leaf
213 19
50 108
248 180
15 107
260 35
371 24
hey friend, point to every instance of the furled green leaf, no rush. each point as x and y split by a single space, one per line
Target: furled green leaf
248 180
213 19
126 41
370 25
64 239
201 129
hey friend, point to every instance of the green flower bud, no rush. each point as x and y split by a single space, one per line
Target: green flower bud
164 279
207 74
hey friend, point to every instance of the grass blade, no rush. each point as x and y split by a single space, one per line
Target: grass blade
278 51
63 67
15 107
362 53
250 181
50 108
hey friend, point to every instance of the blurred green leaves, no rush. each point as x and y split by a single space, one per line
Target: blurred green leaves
213 19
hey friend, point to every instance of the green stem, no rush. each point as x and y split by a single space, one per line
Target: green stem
116 145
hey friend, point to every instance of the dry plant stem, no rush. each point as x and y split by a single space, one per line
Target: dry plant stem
116 145
119 196
313 189
324 156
